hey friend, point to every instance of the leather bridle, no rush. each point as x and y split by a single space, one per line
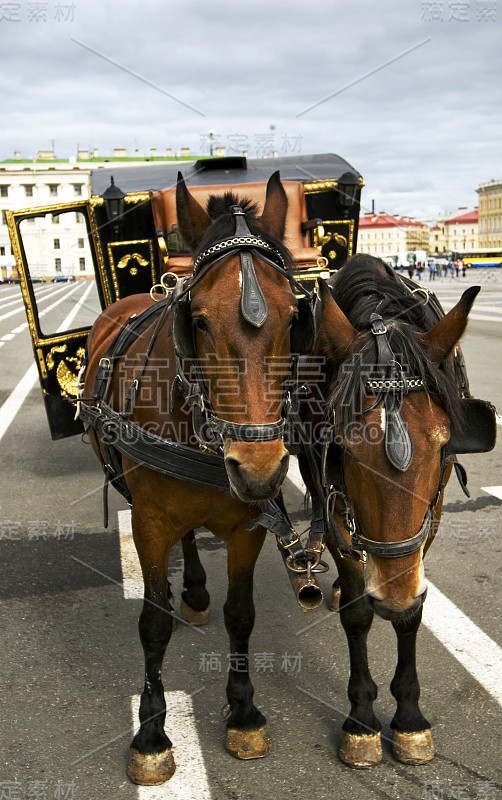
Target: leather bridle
211 430
389 386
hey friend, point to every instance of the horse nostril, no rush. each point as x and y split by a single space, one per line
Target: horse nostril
253 481
232 464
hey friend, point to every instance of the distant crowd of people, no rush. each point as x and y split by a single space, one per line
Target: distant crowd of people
438 269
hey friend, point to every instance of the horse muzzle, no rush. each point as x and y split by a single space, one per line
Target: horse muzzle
256 471
392 612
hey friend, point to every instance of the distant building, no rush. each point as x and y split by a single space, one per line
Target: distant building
56 244
490 214
387 235
455 232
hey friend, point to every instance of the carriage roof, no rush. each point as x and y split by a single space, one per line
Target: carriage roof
223 170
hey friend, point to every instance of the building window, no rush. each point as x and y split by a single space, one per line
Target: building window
4 218
2 251
57 264
55 219
81 264
53 189
81 243
56 244
28 189
4 191
77 189
79 217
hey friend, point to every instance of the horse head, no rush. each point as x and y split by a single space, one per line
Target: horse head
395 404
238 326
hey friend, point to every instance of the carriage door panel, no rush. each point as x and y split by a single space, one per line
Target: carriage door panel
51 244
129 262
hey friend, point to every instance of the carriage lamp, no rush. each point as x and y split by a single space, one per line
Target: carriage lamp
348 184
114 205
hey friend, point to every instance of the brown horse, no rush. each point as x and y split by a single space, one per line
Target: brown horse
229 330
396 406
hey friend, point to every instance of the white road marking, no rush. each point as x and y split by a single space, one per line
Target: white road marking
190 778
20 392
16 398
8 293
479 654
4 304
496 491
132 579
295 476
40 300
479 307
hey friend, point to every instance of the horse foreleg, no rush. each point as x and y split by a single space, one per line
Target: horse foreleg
361 746
247 735
195 597
151 761
411 737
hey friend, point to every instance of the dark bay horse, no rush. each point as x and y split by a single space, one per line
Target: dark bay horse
235 330
395 406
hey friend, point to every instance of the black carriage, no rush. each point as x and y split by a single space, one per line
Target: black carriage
133 239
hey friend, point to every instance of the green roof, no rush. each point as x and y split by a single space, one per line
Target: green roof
99 159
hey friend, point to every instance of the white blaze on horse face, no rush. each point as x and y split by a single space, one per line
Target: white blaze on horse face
380 586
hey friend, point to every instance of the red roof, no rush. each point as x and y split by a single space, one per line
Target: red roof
384 220
469 216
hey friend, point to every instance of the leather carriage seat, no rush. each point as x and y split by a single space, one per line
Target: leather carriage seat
296 239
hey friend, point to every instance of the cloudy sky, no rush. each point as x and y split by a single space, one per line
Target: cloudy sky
409 93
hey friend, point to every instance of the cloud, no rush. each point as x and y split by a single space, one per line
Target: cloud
423 131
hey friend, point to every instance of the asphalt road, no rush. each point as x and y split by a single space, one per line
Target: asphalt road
71 659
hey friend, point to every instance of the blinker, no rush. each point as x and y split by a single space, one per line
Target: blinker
398 445
254 307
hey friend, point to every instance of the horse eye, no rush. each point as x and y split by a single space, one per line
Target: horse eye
200 324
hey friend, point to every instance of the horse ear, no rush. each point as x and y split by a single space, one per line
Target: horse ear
273 219
442 338
193 221
338 333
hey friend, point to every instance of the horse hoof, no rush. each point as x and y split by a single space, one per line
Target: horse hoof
150 769
361 751
248 744
334 603
195 618
413 748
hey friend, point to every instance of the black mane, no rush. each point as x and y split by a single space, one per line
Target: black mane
366 284
223 226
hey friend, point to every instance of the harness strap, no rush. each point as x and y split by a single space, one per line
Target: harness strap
148 449
130 399
128 333
405 547
277 521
